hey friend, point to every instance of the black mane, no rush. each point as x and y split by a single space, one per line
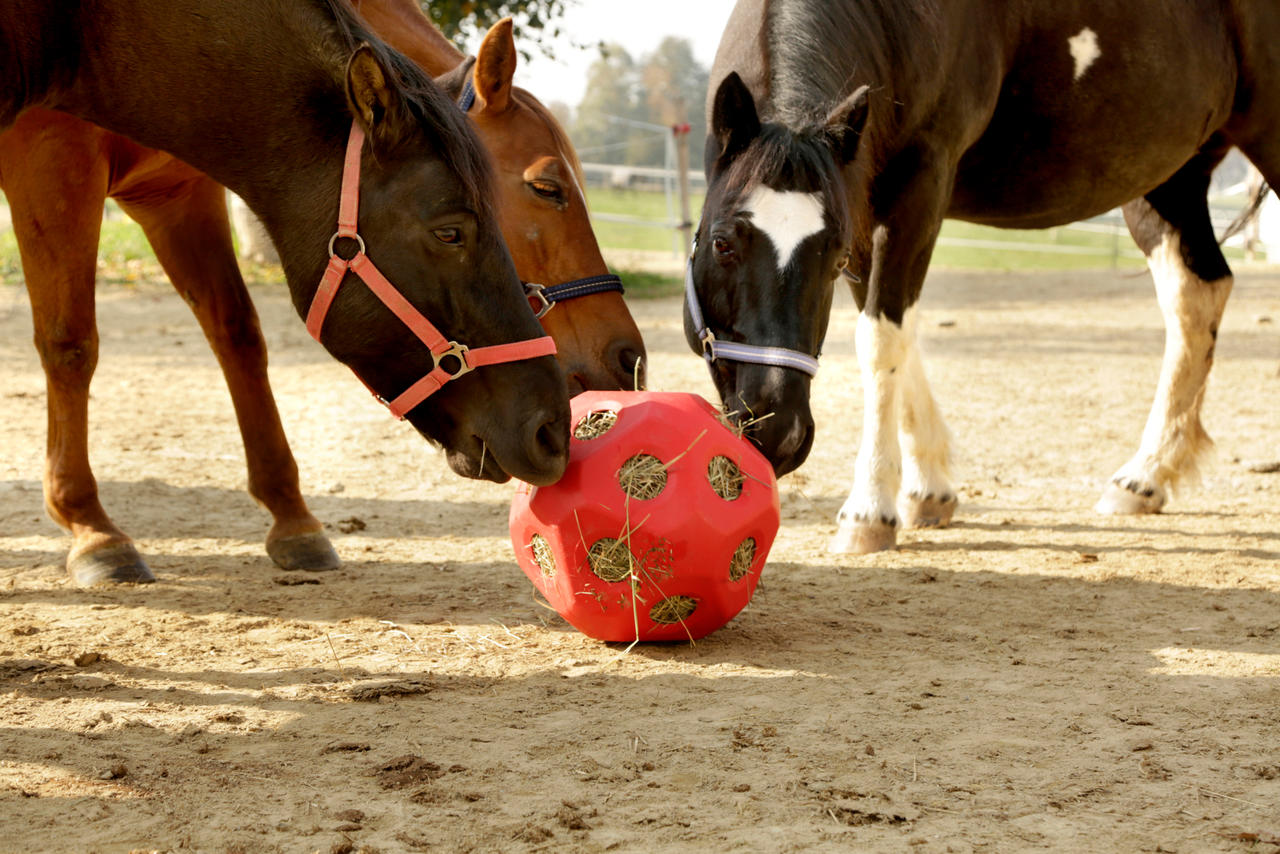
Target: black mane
808 76
445 126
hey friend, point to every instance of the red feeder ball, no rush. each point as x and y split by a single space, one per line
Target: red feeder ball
660 526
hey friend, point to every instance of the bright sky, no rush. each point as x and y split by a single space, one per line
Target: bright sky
638 27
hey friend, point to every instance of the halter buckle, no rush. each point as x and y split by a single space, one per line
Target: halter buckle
457 351
535 291
708 343
338 234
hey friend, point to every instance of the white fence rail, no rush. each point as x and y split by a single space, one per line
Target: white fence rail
1223 212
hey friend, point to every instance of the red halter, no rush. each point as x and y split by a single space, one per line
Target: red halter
467 358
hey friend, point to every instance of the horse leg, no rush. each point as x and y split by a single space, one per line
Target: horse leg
55 197
1171 226
191 236
926 499
894 389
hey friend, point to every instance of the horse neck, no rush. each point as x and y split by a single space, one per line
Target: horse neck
268 123
404 26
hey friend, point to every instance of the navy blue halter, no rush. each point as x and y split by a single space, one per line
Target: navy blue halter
548 295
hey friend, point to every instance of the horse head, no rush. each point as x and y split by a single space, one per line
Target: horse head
774 234
542 210
427 221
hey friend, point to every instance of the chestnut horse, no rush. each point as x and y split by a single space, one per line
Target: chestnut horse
56 167
541 205
842 133
266 97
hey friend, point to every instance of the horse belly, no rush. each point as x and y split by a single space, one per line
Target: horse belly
1087 120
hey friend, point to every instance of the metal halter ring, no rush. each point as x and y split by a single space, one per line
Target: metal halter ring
459 352
535 291
356 237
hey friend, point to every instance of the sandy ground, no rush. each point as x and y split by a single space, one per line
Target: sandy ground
1034 678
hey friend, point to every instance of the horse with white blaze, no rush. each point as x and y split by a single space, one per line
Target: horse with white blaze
842 133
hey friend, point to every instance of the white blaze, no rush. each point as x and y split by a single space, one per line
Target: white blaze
1084 50
786 218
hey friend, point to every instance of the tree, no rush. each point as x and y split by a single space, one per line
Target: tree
667 87
465 21
611 95
674 88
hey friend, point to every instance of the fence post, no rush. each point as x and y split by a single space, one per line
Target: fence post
680 133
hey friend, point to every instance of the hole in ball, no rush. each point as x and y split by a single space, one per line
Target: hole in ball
542 555
595 424
643 476
673 609
743 557
726 477
610 559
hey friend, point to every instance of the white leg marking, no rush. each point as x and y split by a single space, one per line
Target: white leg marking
926 453
1084 50
786 218
882 350
1174 439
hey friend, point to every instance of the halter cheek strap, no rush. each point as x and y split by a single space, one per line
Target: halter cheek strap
755 354
543 298
461 358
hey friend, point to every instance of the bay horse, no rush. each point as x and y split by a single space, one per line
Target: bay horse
842 133
291 105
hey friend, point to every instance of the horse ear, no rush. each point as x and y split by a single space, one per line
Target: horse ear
734 120
369 92
495 66
845 124
452 82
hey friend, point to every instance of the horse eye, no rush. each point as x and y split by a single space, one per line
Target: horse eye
450 236
546 190
721 246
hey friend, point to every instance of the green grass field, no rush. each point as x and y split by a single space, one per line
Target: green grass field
124 252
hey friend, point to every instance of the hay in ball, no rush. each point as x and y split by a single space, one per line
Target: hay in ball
661 525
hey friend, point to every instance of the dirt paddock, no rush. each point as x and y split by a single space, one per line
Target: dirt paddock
1035 677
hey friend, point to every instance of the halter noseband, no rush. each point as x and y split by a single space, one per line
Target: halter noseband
543 298
467 359
733 351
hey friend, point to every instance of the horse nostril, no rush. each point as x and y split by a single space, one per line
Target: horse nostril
550 441
631 368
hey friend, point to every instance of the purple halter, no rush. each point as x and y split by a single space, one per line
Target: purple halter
755 354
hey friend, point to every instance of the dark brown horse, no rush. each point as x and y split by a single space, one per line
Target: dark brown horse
262 97
844 131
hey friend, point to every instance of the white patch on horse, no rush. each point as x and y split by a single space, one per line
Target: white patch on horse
1084 50
786 218
1174 439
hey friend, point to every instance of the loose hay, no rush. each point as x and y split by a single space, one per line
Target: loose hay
743 557
595 424
674 609
543 556
643 476
610 559
725 476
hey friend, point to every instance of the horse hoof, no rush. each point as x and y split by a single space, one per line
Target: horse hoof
1130 499
309 552
862 538
927 511
118 563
